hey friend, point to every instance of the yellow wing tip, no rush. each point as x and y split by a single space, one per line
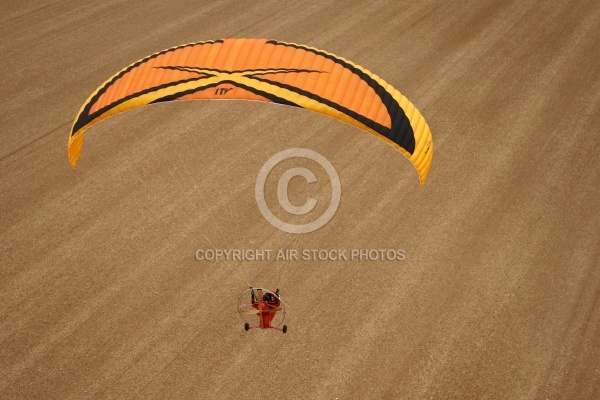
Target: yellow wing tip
422 167
74 147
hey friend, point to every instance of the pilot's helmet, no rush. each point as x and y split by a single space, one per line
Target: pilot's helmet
268 297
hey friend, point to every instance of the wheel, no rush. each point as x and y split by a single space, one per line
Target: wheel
284 329
246 326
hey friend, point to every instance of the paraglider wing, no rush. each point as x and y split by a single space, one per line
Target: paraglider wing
269 71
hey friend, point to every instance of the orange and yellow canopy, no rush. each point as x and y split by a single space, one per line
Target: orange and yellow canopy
264 70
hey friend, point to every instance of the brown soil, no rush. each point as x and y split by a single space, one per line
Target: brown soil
499 293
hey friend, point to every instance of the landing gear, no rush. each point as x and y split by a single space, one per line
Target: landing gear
284 329
246 327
